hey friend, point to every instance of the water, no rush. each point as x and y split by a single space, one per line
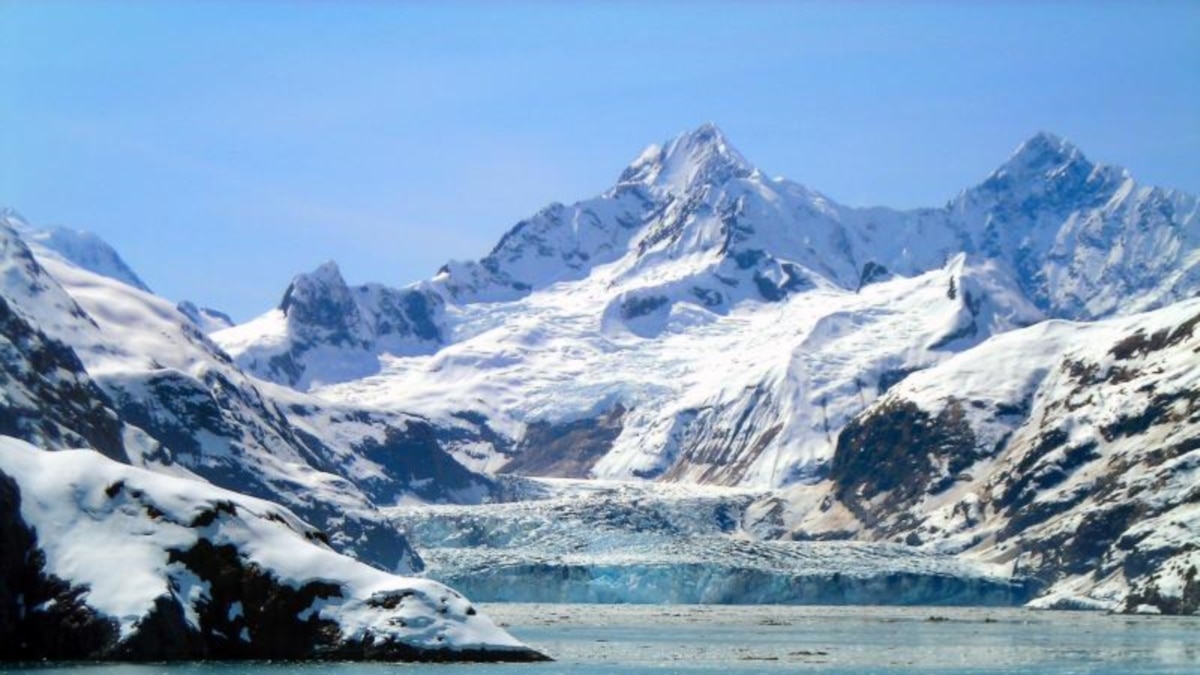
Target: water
731 640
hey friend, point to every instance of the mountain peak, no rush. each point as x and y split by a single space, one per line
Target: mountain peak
698 156
1049 174
77 247
328 271
1045 153
323 286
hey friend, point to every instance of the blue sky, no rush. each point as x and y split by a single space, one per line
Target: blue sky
224 147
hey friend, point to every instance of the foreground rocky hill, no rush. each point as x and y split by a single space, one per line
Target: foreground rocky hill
105 561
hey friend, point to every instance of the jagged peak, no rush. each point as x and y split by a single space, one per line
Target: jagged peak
327 272
1044 155
326 279
1054 171
700 155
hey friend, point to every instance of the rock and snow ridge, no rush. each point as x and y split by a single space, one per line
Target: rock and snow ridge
693 222
207 319
1071 450
149 388
607 313
105 561
77 247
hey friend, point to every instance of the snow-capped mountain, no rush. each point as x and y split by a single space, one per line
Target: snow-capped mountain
105 561
700 321
1070 450
95 362
77 247
324 331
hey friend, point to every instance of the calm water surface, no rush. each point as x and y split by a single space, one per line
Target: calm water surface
733 640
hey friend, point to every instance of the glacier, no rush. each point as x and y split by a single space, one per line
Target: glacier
614 542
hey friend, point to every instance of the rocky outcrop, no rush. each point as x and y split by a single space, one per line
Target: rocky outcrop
48 396
891 457
568 449
1077 464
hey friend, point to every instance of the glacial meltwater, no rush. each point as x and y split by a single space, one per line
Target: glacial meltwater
731 640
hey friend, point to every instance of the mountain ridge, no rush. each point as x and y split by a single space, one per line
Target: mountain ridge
693 241
695 210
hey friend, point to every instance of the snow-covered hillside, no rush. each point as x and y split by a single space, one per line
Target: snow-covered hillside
77 247
106 561
1071 450
700 322
151 389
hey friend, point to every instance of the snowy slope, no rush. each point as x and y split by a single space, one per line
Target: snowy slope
184 407
763 412
1070 449
103 560
77 247
702 322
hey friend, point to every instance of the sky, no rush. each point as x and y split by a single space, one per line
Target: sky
224 147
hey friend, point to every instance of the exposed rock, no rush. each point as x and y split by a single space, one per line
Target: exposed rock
566 450
48 396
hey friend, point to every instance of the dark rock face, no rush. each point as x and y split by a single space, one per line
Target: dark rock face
412 458
202 316
322 300
873 272
321 309
267 625
793 280
412 314
1140 344
1148 594
634 307
41 616
60 406
566 450
900 450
